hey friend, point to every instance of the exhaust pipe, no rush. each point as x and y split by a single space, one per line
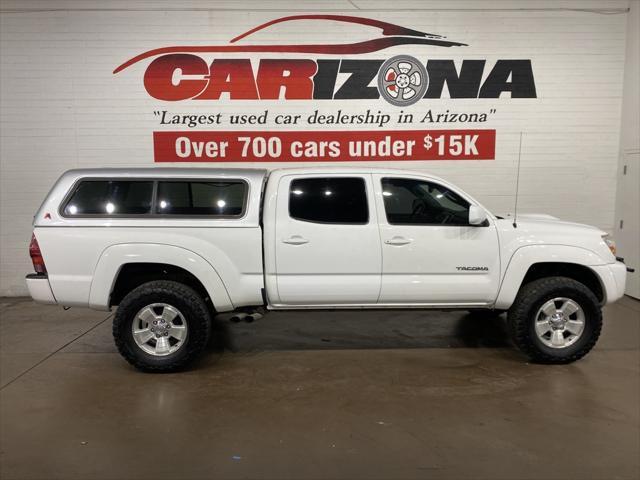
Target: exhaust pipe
246 316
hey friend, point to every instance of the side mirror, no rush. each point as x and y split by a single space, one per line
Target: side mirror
477 216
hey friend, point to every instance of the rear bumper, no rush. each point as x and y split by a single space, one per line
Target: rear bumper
614 280
39 289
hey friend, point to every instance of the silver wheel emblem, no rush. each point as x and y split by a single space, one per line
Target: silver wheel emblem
402 80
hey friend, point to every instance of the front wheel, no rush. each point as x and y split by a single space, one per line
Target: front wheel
555 320
162 326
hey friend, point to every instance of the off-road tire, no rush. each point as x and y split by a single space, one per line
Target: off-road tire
520 319
185 299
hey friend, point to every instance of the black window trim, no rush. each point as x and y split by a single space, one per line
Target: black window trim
425 180
366 196
154 198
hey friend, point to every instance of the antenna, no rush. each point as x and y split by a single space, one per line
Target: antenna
515 208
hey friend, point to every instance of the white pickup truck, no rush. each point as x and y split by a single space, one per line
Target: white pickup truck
170 247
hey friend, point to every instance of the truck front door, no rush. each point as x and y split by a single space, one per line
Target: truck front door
327 245
431 255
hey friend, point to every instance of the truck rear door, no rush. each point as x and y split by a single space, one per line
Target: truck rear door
327 241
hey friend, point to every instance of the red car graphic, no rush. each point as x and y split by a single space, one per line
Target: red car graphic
392 35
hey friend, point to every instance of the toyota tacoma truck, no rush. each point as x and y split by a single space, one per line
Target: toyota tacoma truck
172 247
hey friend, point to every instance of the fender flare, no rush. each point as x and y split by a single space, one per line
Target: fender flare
524 257
114 257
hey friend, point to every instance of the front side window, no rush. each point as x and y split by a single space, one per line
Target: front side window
210 198
110 197
418 202
329 200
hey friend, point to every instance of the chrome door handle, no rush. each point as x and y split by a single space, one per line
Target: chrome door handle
295 240
398 241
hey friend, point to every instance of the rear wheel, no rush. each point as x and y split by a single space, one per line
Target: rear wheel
162 326
555 320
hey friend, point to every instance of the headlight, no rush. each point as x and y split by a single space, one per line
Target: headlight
610 243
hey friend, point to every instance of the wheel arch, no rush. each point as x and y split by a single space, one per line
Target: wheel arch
540 261
132 275
575 271
128 265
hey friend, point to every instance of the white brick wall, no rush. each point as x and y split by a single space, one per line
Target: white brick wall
61 107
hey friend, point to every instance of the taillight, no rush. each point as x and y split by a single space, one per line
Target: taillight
36 255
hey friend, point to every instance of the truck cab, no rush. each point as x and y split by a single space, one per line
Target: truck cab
388 239
171 247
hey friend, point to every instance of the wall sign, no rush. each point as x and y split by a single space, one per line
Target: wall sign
187 74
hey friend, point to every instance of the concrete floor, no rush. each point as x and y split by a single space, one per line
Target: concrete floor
373 395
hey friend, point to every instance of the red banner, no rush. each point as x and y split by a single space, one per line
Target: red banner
324 146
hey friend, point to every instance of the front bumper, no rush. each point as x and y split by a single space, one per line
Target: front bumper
39 288
614 280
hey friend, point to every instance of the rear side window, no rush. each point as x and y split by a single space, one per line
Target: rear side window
329 200
213 198
104 197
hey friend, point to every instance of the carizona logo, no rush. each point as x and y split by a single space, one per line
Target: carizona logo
180 73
